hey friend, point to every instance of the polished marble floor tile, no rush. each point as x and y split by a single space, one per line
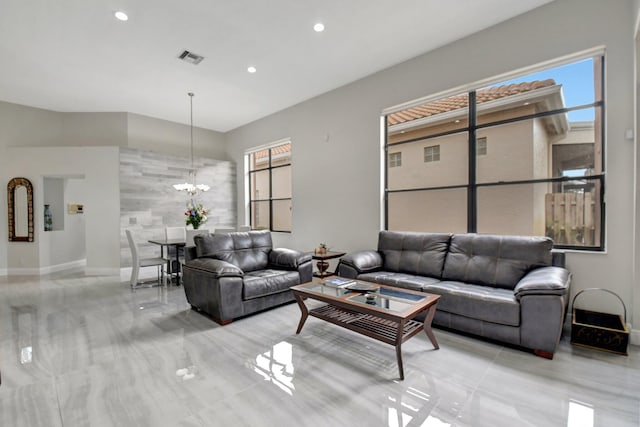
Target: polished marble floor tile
89 351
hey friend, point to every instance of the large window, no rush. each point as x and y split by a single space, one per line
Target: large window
270 187
542 175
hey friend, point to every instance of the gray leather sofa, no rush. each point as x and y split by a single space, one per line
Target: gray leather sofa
232 275
505 288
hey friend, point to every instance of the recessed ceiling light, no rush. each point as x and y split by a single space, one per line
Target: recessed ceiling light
319 27
120 15
252 69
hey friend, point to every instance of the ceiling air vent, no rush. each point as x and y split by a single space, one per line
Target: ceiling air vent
190 57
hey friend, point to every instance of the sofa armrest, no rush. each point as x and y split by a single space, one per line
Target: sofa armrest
363 261
190 253
287 259
216 267
544 281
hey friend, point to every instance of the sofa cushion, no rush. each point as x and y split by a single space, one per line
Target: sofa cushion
400 280
485 303
494 260
422 254
260 283
249 251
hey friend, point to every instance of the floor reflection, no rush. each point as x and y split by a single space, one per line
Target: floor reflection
24 321
416 407
276 366
89 351
580 414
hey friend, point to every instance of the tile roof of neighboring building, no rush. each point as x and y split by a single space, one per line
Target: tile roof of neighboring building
462 101
278 149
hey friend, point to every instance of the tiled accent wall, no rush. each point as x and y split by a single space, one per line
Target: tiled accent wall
148 201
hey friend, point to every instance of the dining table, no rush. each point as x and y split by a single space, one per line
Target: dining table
177 244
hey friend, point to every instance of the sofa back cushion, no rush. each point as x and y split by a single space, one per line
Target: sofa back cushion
493 260
422 254
249 251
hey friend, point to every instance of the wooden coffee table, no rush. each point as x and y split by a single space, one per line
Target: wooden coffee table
386 314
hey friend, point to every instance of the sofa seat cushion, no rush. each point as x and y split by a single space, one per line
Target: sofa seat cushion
485 303
401 280
261 283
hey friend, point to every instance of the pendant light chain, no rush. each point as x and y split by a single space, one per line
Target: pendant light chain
193 172
191 188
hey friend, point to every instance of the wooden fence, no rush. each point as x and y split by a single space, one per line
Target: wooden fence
570 218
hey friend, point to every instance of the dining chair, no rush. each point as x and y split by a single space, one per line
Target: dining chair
138 262
174 233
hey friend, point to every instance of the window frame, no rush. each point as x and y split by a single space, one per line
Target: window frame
472 127
481 146
396 161
430 153
269 168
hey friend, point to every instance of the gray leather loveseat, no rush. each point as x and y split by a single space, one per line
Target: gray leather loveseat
232 275
504 288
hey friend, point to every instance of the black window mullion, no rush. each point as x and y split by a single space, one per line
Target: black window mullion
270 192
602 152
251 219
386 173
267 199
472 193
473 186
539 115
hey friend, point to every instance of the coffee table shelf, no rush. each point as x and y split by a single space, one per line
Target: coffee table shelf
384 330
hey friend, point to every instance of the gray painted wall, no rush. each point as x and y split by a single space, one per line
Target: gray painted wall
147 133
99 167
94 129
636 247
336 136
42 130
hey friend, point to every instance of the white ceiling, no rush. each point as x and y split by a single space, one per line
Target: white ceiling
73 55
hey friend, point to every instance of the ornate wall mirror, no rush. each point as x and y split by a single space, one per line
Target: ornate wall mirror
20 200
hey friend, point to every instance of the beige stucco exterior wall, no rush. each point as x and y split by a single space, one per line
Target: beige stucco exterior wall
517 151
441 211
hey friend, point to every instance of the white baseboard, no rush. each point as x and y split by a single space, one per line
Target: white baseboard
101 271
39 271
65 266
23 271
634 337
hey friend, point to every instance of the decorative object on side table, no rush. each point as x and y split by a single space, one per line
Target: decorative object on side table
322 254
321 249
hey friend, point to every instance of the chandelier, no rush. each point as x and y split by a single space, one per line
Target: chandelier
191 188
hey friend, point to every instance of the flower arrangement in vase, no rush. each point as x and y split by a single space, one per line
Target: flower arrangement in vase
195 215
